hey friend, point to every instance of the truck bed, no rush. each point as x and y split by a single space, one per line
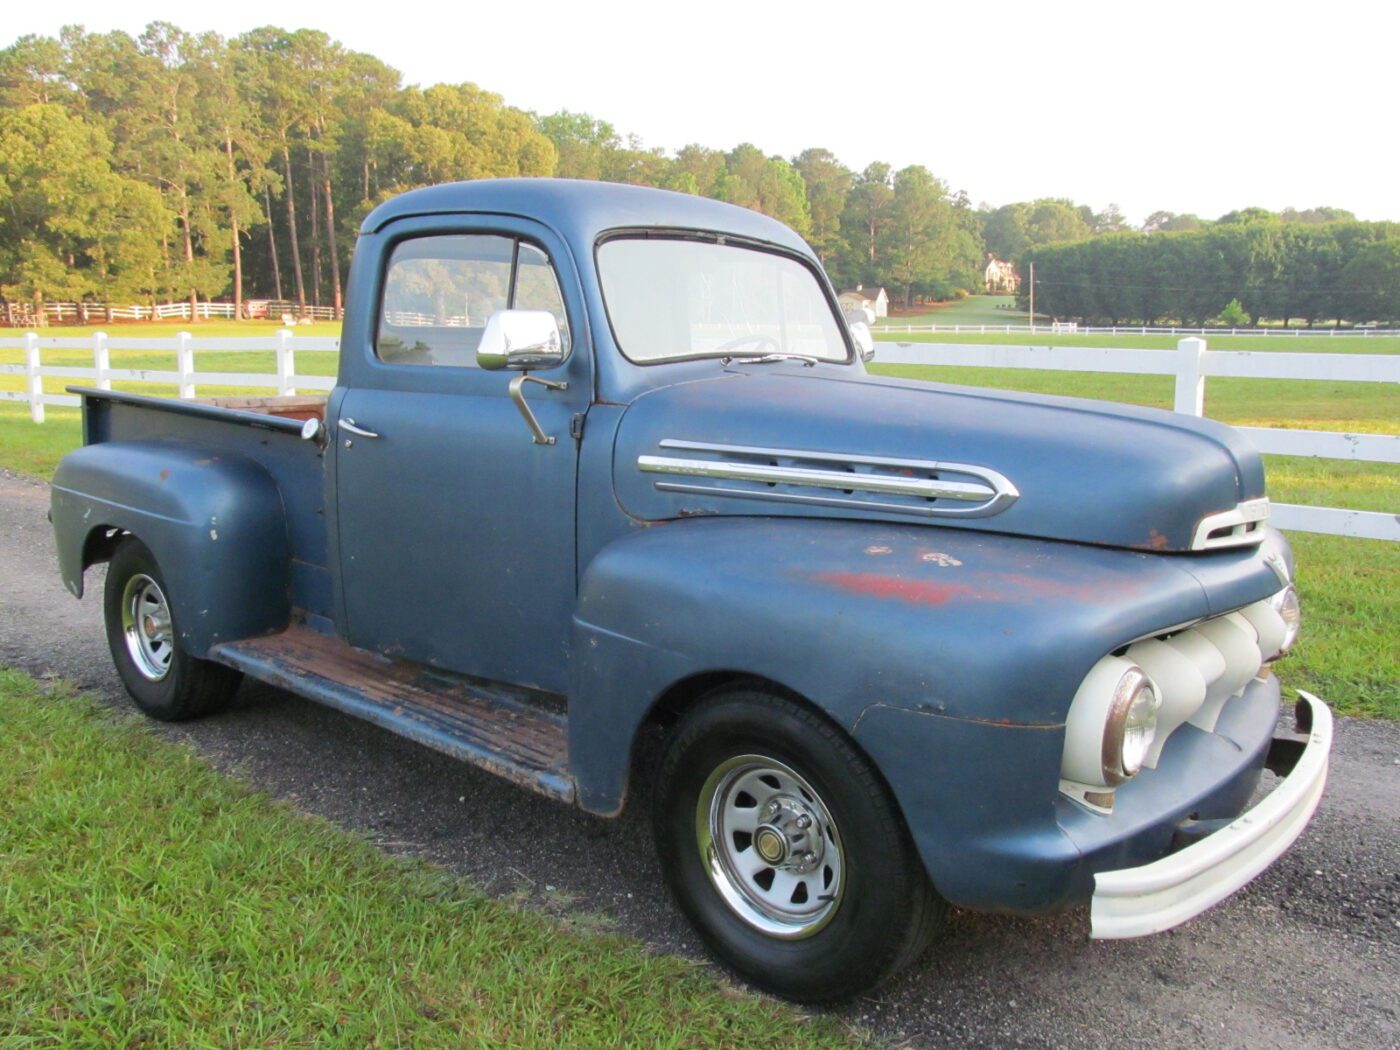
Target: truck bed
266 430
283 406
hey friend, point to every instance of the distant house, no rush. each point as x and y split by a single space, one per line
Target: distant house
1001 277
873 299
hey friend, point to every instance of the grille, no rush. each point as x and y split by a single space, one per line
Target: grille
1199 669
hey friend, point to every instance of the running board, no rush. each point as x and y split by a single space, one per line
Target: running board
502 730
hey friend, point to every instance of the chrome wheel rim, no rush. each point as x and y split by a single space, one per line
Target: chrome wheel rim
146 627
770 846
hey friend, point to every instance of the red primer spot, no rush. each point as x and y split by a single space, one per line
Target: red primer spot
165 474
878 585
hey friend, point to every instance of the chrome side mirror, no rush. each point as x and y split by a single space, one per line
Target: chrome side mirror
864 340
519 340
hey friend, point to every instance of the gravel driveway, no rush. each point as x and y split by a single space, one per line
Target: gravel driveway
1308 955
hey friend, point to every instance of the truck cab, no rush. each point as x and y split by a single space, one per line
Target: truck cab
604 464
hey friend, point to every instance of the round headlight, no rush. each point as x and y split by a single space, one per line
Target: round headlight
1131 726
1285 603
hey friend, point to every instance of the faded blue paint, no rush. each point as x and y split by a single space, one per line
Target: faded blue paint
1092 472
949 650
212 518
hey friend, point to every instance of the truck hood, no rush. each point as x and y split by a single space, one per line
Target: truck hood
782 440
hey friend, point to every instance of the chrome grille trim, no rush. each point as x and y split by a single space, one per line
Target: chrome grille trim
1245 521
988 492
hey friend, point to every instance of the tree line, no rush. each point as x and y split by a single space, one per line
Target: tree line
175 165
1246 268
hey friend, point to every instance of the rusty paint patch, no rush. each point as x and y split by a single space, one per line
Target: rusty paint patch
1156 541
879 585
1011 587
507 731
165 474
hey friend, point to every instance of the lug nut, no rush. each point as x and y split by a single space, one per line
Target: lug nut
804 821
809 858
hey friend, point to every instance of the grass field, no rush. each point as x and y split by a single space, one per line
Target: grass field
975 309
146 900
1351 653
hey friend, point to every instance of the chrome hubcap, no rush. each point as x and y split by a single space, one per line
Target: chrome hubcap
770 846
146 627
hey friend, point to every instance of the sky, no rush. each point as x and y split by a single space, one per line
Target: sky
1184 107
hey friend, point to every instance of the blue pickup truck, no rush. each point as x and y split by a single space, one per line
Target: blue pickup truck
605 495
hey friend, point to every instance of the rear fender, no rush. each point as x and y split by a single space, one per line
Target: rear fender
214 522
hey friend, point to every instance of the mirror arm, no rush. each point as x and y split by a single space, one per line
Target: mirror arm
517 394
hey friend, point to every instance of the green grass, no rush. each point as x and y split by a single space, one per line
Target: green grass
975 309
1310 344
1316 405
146 900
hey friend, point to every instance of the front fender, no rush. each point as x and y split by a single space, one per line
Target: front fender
213 520
959 624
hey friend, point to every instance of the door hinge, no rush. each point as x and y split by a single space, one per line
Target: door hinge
576 426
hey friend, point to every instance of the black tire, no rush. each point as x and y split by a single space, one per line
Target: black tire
189 687
886 911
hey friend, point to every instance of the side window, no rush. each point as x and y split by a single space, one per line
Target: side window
439 293
537 287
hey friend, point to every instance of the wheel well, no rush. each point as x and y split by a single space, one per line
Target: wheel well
680 697
100 545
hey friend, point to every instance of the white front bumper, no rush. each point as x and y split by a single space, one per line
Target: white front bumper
1133 902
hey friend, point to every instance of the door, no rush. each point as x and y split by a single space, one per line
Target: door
455 529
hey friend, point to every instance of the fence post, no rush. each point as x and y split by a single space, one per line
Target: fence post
1190 378
101 361
35 381
286 363
184 364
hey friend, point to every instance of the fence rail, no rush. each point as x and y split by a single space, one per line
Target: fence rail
282 343
1191 365
17 315
1058 327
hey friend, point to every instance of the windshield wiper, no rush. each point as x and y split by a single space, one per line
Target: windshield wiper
763 359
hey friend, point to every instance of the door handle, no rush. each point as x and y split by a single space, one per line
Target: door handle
349 424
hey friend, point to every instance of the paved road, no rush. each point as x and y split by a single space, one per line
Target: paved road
1309 955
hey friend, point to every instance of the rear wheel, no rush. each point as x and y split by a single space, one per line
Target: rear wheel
164 681
785 849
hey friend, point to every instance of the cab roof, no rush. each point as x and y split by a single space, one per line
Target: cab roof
582 210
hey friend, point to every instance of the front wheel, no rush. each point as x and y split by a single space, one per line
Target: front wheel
785 849
163 679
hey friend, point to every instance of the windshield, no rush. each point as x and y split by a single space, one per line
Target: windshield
669 299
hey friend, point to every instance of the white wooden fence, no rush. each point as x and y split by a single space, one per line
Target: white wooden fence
282 343
15 314
1191 364
1056 327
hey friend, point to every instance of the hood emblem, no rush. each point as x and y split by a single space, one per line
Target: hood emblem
918 487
